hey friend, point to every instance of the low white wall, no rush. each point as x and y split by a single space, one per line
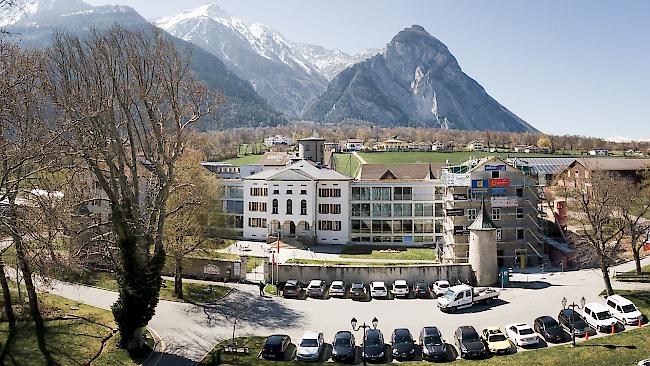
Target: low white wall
366 274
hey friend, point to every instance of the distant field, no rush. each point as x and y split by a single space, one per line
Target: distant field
436 157
347 164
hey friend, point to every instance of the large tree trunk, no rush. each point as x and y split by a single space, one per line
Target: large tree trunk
637 258
9 312
139 285
604 267
178 277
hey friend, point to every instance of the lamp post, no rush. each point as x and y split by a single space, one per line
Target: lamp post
573 307
364 326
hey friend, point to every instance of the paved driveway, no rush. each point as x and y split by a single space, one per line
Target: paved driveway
189 331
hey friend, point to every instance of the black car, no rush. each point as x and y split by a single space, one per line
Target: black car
403 344
550 329
343 347
571 321
293 288
469 343
421 290
433 347
275 347
358 291
374 346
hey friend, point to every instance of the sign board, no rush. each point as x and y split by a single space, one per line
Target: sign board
499 182
455 212
460 196
237 268
495 167
479 183
211 269
498 190
504 201
460 230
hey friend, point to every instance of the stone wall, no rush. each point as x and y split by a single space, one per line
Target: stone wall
209 269
366 274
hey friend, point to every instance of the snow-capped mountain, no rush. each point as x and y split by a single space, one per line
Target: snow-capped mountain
331 62
256 52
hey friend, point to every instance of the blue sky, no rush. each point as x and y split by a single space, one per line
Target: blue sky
567 67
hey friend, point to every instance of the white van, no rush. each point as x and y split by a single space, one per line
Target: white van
623 310
598 317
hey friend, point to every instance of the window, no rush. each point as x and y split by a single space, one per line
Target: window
276 191
303 207
329 192
289 207
303 191
520 212
381 193
495 174
256 191
471 214
274 206
403 194
520 192
499 235
289 191
402 209
361 193
520 234
381 210
360 210
256 222
496 214
329 225
329 208
424 209
257 206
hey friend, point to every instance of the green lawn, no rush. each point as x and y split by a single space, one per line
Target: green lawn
625 348
193 292
436 157
253 262
246 159
416 254
351 263
347 164
74 337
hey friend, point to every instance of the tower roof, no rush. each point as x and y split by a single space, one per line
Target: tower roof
483 220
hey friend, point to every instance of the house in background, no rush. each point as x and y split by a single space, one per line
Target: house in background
353 145
438 146
278 140
598 152
393 144
476 145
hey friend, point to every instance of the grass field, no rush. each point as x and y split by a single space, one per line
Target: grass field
436 157
347 164
193 292
421 254
253 262
82 336
625 348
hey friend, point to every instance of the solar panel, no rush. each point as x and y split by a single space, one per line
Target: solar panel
550 165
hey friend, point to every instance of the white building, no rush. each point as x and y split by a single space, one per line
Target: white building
599 152
353 145
476 145
277 140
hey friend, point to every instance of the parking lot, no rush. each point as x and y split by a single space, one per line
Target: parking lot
530 296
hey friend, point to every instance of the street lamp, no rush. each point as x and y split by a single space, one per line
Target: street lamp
355 328
573 307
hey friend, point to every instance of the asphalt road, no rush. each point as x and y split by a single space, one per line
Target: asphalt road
190 331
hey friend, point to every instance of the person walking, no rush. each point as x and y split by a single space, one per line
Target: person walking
261 287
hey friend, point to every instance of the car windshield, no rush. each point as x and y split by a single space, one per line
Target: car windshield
443 285
357 285
289 286
629 308
526 331
403 339
343 341
337 286
497 338
603 315
400 286
372 340
450 295
309 343
432 339
470 337
579 323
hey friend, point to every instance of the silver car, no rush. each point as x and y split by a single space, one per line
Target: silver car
317 288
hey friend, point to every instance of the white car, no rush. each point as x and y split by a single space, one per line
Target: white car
338 289
400 288
522 334
440 287
623 310
310 346
598 317
378 290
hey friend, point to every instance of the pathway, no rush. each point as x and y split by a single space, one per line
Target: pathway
362 160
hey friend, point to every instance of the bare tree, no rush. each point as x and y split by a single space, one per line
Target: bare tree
194 209
632 208
593 202
129 98
28 148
